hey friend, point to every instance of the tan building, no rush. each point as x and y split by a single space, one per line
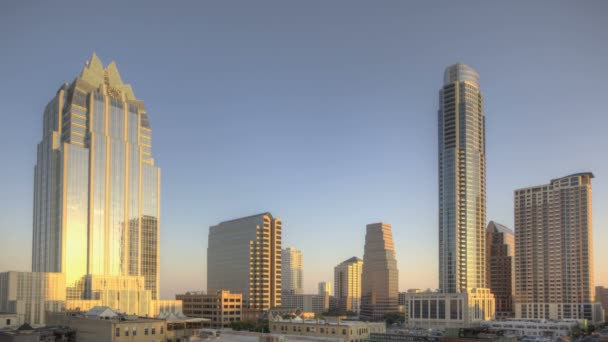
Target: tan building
500 263
292 271
325 288
244 256
306 302
347 331
554 250
347 281
380 277
102 324
221 308
449 310
601 296
29 295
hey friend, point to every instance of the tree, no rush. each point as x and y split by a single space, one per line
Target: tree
394 317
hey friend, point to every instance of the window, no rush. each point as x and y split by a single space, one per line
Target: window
161 330
154 331
126 331
8 322
117 332
146 331
134 331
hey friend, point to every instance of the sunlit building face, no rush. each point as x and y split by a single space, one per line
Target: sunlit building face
462 181
96 192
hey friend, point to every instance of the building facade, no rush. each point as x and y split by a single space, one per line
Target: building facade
221 308
347 284
347 331
244 256
325 288
601 296
500 262
380 277
554 250
449 310
306 302
535 327
462 181
96 187
29 295
292 271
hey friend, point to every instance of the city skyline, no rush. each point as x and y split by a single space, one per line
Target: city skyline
377 104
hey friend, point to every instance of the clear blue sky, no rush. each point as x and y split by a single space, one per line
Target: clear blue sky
322 112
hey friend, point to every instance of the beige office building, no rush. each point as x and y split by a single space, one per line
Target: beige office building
306 302
500 264
30 295
347 284
292 271
244 256
221 308
342 330
554 250
380 277
325 288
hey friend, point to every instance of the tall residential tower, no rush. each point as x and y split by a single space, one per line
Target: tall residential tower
96 192
554 250
244 256
462 181
291 271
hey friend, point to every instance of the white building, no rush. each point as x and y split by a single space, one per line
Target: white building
449 310
535 327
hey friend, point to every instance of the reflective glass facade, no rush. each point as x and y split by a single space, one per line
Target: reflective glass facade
96 193
462 181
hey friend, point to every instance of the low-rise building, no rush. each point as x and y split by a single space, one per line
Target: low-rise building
220 308
449 310
535 327
307 303
346 331
101 324
601 296
9 320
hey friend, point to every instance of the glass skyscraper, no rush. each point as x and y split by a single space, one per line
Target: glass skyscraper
462 181
96 192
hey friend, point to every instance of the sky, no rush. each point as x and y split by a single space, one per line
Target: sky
322 112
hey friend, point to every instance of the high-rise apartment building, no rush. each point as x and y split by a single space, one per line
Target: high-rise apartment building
96 216
291 271
462 181
325 288
347 284
554 250
380 277
244 256
500 263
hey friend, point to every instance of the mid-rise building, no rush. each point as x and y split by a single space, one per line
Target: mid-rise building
554 250
449 310
325 288
347 284
551 329
244 256
601 296
221 308
292 271
380 277
500 249
343 330
103 324
29 295
306 302
462 181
